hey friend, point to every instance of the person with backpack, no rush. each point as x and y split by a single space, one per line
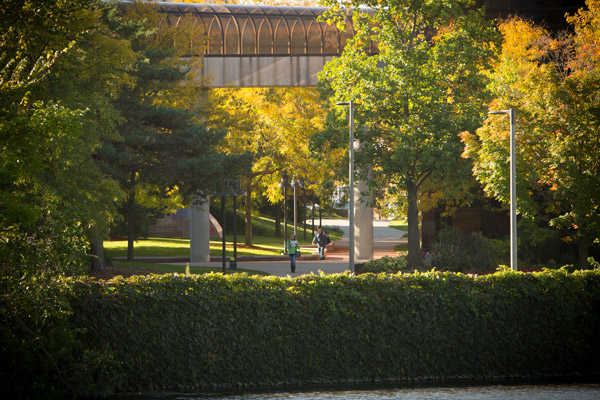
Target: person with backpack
321 239
293 248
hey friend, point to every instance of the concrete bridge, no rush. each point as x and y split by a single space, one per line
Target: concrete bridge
259 46
266 46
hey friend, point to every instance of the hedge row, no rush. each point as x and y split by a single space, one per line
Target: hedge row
188 332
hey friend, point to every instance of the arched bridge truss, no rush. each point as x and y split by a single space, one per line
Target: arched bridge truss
255 46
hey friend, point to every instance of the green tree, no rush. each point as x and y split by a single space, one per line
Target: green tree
60 64
552 80
422 86
163 149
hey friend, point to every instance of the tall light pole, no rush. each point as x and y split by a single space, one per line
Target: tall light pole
350 105
513 188
296 184
303 183
284 184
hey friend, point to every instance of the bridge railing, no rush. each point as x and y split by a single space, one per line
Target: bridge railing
244 30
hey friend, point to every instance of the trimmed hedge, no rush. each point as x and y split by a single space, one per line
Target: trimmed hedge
177 332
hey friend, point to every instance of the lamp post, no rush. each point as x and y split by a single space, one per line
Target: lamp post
312 210
285 181
224 238
296 185
304 207
513 188
231 187
236 190
350 105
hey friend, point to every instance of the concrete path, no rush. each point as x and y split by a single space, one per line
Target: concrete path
384 241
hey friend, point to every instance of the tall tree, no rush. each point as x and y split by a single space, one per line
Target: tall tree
421 88
163 149
60 64
553 81
272 127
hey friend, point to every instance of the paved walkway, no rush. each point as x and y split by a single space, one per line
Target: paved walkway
384 241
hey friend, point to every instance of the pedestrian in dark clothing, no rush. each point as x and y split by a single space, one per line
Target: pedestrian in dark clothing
321 239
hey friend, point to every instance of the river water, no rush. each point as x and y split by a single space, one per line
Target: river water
488 392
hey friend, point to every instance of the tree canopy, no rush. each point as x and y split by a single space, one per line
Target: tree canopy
423 87
271 127
60 64
553 81
91 93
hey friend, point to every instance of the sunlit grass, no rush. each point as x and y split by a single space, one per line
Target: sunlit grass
161 247
400 224
149 247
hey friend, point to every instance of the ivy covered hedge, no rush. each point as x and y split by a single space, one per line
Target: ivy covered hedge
188 332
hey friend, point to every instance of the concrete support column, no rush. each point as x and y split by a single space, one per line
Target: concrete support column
363 223
200 231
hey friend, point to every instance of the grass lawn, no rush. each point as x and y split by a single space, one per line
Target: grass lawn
164 247
400 224
265 244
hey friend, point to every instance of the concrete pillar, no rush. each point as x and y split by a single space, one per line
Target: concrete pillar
363 215
363 223
200 231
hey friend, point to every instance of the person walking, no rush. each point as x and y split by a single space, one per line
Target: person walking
321 239
293 248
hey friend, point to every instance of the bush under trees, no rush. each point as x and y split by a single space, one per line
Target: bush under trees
177 332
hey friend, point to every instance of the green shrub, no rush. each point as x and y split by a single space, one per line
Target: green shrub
42 356
176 332
499 252
455 251
385 264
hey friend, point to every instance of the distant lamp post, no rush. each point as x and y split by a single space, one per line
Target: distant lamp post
350 105
513 188
304 184
230 188
296 185
312 211
237 191
285 182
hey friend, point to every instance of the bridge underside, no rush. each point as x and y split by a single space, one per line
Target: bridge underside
263 71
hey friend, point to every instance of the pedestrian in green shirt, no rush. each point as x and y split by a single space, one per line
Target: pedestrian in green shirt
292 246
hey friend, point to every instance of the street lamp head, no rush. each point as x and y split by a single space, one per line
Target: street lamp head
342 103
285 180
499 112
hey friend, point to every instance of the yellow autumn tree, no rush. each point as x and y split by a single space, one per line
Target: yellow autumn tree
553 81
273 127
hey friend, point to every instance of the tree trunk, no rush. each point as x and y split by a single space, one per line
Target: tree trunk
584 252
414 234
248 241
97 249
130 219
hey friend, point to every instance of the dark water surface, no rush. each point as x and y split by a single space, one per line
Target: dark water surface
571 391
